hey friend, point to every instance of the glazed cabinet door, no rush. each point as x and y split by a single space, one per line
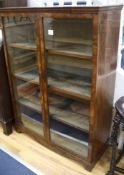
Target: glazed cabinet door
68 53
20 35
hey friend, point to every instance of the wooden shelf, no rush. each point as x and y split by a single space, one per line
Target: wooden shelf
26 46
62 120
69 137
29 69
69 89
54 88
69 144
29 91
80 51
66 137
66 88
69 62
75 120
57 89
21 58
21 65
69 132
32 124
7 25
29 96
67 93
30 104
28 74
70 40
36 81
58 138
69 54
62 129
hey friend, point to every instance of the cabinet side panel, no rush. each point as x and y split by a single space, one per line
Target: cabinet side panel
108 35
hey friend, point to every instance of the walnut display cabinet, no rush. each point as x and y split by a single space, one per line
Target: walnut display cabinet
61 65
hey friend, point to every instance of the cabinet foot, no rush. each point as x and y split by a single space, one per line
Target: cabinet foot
7 127
18 126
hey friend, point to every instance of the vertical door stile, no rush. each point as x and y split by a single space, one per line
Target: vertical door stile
42 75
94 85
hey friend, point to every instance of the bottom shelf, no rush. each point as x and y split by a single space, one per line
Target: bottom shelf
69 144
77 143
69 132
31 119
69 138
32 124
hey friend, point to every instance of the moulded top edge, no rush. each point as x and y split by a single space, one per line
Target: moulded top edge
86 9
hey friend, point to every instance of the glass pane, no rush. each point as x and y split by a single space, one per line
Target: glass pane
69 123
69 36
68 47
21 40
70 74
69 111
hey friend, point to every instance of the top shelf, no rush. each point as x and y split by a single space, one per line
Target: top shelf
18 24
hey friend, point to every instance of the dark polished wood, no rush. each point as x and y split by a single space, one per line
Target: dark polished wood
6 114
107 39
61 11
106 22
